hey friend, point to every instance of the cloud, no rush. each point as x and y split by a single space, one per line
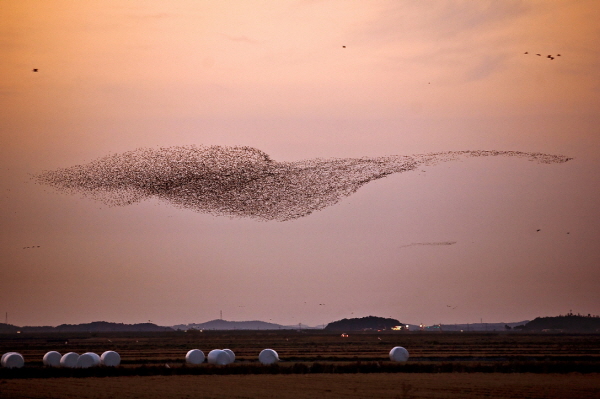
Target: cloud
460 40
240 181
241 38
428 244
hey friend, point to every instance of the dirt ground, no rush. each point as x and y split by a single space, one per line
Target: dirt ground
388 386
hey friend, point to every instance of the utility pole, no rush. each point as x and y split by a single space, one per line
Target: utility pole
221 315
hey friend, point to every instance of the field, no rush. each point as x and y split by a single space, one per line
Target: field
314 364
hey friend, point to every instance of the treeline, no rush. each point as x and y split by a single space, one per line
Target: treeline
363 324
96 326
567 323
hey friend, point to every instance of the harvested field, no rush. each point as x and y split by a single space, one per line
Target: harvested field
383 385
315 364
138 349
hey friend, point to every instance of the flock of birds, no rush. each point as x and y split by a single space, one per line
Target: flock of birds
549 56
240 181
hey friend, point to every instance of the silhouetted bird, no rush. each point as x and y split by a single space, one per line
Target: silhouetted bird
558 55
527 52
343 46
539 55
35 69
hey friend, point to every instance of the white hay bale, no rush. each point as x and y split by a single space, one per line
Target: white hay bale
85 361
194 356
110 359
69 360
398 354
231 355
52 359
4 357
268 356
96 358
219 357
12 360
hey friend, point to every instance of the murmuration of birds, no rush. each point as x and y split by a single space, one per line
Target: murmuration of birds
241 181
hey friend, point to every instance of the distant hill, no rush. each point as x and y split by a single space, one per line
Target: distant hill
480 326
96 326
363 323
220 324
566 323
8 328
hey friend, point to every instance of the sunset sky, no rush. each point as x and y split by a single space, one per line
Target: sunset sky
301 80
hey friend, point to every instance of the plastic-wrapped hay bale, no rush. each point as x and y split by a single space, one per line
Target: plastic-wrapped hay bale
219 357
96 358
110 359
4 356
398 354
52 359
194 356
85 361
231 355
69 360
268 356
88 359
12 360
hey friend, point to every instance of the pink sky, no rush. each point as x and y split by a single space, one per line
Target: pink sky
414 77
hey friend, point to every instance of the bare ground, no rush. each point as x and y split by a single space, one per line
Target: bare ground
382 385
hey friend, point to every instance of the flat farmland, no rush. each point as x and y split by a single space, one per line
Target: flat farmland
374 386
311 345
313 364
